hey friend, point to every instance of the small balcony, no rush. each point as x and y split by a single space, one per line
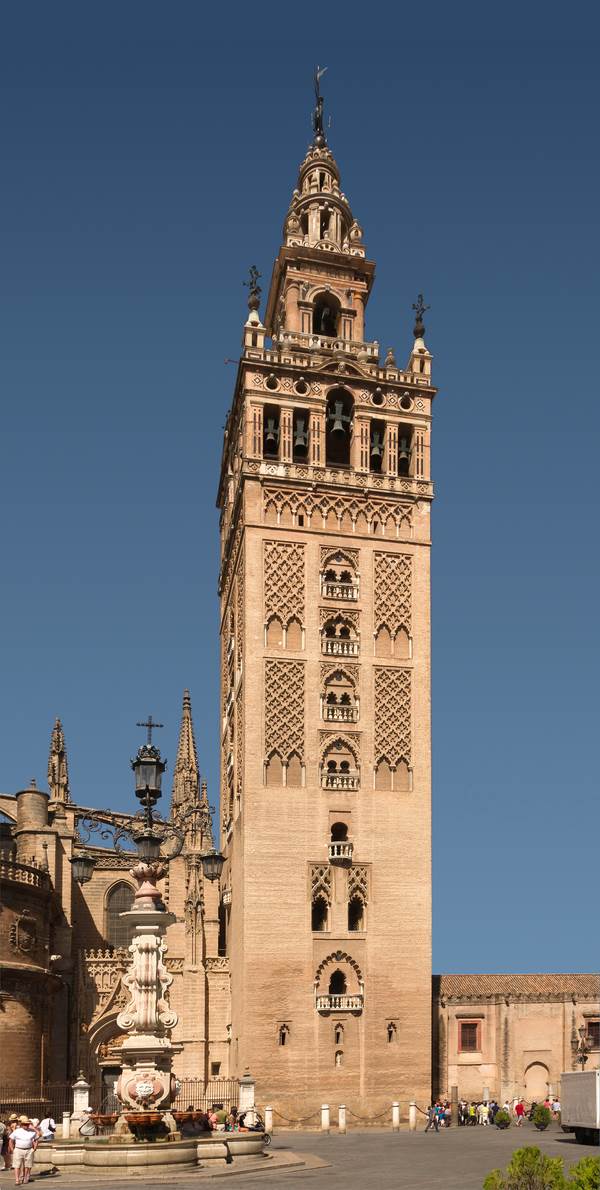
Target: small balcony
339 1003
341 852
334 646
344 592
338 714
349 781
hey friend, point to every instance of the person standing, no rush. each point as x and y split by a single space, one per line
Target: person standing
432 1118
47 1128
520 1112
23 1142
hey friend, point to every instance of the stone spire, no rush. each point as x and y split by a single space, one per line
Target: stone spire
58 769
186 779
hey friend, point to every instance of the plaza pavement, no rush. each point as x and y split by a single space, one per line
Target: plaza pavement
453 1159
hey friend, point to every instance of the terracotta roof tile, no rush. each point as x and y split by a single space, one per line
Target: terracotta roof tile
538 984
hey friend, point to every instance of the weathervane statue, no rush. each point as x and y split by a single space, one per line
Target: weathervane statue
318 128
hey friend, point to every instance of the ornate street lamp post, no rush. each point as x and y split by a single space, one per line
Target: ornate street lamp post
584 1047
146 1085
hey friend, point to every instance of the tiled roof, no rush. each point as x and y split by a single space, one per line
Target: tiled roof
539 984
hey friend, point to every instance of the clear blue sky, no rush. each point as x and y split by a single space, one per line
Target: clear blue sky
148 155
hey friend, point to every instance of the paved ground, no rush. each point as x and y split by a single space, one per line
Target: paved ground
453 1159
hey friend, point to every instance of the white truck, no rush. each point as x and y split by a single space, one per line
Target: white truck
580 1105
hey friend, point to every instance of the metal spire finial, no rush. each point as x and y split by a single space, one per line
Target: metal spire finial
317 120
419 308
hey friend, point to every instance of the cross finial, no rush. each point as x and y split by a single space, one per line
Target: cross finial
150 725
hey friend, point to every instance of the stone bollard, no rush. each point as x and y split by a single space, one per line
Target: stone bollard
412 1116
454 1105
324 1117
395 1117
269 1120
342 1119
81 1102
66 1125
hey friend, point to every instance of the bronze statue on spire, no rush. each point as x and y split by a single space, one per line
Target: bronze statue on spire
419 308
318 127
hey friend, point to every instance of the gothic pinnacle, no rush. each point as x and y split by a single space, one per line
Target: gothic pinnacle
58 769
185 774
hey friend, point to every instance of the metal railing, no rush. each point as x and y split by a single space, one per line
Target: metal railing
202 1096
37 1101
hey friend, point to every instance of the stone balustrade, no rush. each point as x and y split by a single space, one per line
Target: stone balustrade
340 1003
340 781
348 592
24 874
334 646
341 852
335 714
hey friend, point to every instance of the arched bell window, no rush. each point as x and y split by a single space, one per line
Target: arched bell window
326 315
339 427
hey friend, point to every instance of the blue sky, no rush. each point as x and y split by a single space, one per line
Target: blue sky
148 155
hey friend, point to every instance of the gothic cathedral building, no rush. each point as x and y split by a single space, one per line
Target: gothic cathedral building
325 498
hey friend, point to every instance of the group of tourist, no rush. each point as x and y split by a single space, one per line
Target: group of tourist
484 1112
217 1119
19 1138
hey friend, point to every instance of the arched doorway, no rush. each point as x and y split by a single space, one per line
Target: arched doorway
537 1077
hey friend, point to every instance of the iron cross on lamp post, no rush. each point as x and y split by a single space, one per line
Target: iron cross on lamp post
148 830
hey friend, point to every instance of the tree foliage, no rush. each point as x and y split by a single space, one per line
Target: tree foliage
530 1169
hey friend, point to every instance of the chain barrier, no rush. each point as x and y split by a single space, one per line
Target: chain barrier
302 1120
368 1119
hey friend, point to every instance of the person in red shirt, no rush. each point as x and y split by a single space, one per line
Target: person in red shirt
519 1112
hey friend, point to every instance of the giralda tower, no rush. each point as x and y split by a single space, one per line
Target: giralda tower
325 498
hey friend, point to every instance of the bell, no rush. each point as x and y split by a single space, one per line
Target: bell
300 435
338 417
404 449
271 432
377 445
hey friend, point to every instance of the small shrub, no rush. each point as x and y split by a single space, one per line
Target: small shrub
502 1119
541 1117
528 1169
585 1175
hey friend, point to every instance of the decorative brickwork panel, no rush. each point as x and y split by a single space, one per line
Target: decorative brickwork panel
358 883
392 715
239 750
320 882
240 624
353 514
393 592
284 581
284 708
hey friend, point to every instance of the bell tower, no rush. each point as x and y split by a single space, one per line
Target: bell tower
325 498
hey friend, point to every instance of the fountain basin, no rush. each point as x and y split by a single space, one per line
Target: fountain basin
113 1152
